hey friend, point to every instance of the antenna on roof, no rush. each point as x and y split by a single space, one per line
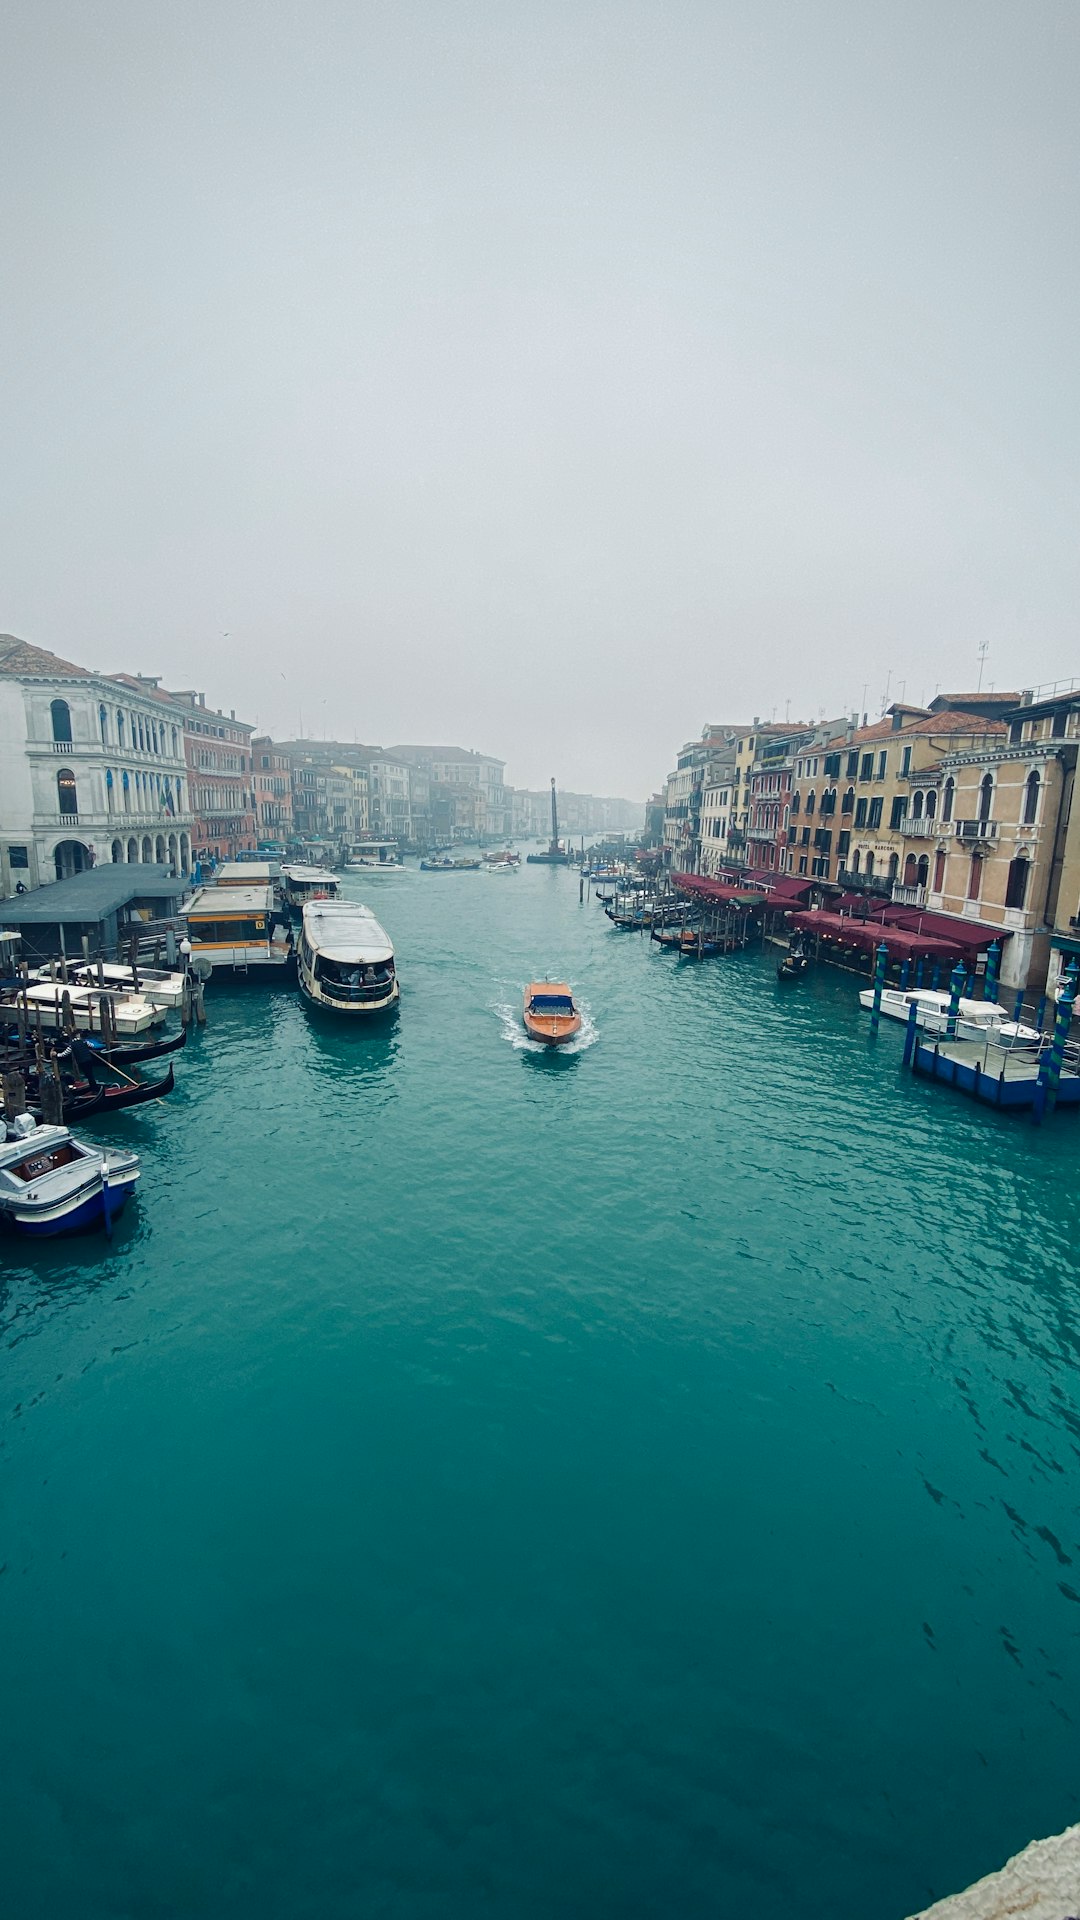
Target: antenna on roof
984 648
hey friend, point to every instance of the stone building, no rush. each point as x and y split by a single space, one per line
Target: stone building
92 769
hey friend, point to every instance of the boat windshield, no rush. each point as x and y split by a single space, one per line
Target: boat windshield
551 1003
345 973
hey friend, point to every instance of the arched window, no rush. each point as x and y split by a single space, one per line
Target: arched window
894 865
939 871
917 800
142 734
1031 798
133 851
909 870
931 804
147 849
61 720
117 852
828 800
175 743
947 798
125 785
1016 889
103 723
796 801
65 787
108 788
855 861
869 868
975 877
847 804
986 796
119 726
923 873
810 801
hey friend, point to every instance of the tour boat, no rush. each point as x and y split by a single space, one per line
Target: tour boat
164 987
299 884
51 1183
549 1012
345 961
976 1019
45 1006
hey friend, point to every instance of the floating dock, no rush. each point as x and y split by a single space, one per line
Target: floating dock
990 1073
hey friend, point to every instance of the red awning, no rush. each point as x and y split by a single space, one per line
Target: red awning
865 936
704 889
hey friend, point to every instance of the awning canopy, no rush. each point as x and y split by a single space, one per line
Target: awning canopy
902 943
717 891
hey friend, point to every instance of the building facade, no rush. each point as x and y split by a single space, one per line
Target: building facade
271 790
91 770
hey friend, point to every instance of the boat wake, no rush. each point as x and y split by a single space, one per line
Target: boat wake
509 1018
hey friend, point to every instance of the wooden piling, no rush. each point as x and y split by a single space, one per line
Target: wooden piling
14 1091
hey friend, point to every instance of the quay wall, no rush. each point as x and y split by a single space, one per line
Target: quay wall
1041 1883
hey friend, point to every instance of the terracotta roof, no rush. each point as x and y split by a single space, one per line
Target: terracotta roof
21 661
949 722
881 730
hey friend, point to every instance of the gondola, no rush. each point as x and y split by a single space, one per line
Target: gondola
86 1100
793 965
87 1050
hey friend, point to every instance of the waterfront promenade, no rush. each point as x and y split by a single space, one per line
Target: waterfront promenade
476 1483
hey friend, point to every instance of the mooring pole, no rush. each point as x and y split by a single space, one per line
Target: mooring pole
880 965
1046 1092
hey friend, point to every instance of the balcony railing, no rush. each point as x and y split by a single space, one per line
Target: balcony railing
761 833
922 828
908 896
973 830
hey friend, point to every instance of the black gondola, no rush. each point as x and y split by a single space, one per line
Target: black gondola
87 1050
85 1099
793 965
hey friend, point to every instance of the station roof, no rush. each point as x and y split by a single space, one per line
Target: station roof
93 895
216 903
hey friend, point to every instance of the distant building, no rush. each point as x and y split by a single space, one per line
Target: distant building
217 748
271 790
92 771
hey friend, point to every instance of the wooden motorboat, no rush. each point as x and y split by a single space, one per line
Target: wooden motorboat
52 1183
549 1012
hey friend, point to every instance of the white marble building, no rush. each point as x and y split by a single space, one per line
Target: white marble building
90 771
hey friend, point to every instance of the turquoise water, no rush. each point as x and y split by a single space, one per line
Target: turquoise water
476 1482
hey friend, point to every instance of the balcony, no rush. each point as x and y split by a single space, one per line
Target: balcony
761 833
973 831
908 896
922 828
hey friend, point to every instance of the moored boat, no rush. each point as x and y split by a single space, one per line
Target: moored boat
53 1005
374 856
164 986
345 959
234 926
975 1020
446 865
51 1183
549 1012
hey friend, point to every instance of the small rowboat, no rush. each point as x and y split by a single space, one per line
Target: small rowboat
549 1012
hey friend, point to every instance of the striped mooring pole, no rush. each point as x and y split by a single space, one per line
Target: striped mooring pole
956 988
993 967
1046 1092
911 1037
880 965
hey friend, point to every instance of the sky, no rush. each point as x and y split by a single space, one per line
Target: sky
547 379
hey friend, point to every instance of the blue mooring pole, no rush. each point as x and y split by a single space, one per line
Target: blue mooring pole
1018 1003
935 977
905 974
1046 1092
993 964
956 988
880 965
919 964
910 1034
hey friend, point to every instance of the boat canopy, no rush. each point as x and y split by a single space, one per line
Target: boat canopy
346 932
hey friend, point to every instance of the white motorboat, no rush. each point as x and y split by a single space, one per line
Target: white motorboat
976 1019
45 1005
345 960
164 987
51 1183
374 856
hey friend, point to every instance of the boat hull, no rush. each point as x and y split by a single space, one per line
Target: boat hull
80 1216
552 1030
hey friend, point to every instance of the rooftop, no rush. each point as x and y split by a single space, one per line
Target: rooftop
21 661
92 895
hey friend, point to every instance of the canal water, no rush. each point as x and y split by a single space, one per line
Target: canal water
476 1482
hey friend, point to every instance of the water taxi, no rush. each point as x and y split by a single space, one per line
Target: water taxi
233 926
976 1019
299 884
446 865
345 961
374 856
51 1183
549 1012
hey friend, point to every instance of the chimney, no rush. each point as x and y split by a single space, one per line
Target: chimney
232 713
1027 698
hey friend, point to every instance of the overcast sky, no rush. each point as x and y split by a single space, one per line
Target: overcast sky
543 378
